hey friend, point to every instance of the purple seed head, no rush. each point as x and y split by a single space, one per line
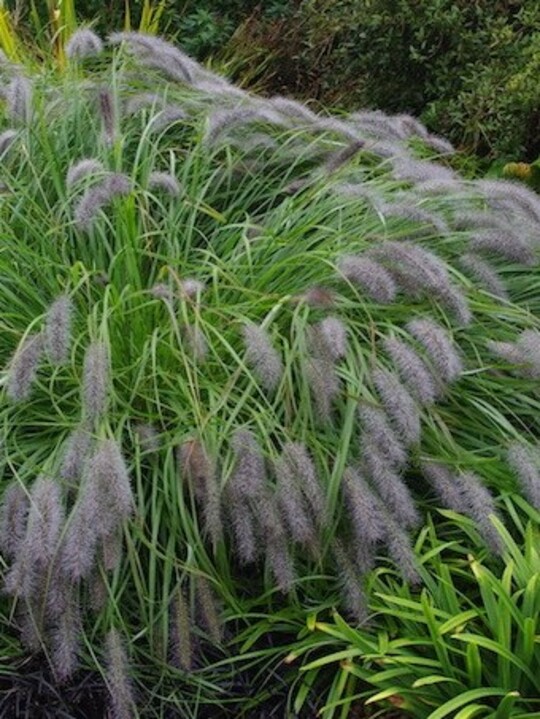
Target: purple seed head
95 381
23 367
83 43
58 330
438 346
261 356
374 280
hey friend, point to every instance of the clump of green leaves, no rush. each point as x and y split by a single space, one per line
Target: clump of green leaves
466 645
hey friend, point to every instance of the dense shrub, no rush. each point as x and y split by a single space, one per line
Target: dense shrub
241 344
467 68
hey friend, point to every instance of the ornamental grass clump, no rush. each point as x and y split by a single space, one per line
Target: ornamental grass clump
233 361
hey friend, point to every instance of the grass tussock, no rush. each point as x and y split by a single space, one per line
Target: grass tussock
239 339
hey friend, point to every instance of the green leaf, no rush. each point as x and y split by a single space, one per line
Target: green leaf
469 696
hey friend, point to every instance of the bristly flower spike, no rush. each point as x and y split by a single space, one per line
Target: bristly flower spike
95 381
58 330
97 197
374 280
414 371
261 356
328 339
525 461
121 695
13 519
75 454
83 43
82 169
399 405
23 367
484 273
107 111
439 347
19 99
165 181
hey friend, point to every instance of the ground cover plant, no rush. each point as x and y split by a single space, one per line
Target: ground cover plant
242 344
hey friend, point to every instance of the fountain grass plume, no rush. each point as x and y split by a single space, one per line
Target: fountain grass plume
328 339
261 356
378 432
367 522
181 647
399 405
485 274
413 370
19 99
439 347
119 684
75 453
13 519
389 484
292 504
324 385
374 280
23 367
95 381
525 461
165 181
82 44
58 330
97 197
87 167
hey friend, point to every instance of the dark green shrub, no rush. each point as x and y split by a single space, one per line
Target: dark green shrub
468 68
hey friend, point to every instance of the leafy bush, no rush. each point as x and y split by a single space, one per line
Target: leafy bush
468 69
467 645
239 339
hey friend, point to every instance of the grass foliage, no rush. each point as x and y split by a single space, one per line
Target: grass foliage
244 347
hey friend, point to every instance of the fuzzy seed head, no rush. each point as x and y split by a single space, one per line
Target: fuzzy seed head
95 381
83 43
13 519
82 169
261 356
305 474
292 505
121 695
58 330
19 99
24 366
75 454
148 437
389 484
378 433
363 508
248 479
525 461
438 346
181 649
329 339
165 181
324 385
399 405
191 287
45 520
413 370
374 280
484 273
